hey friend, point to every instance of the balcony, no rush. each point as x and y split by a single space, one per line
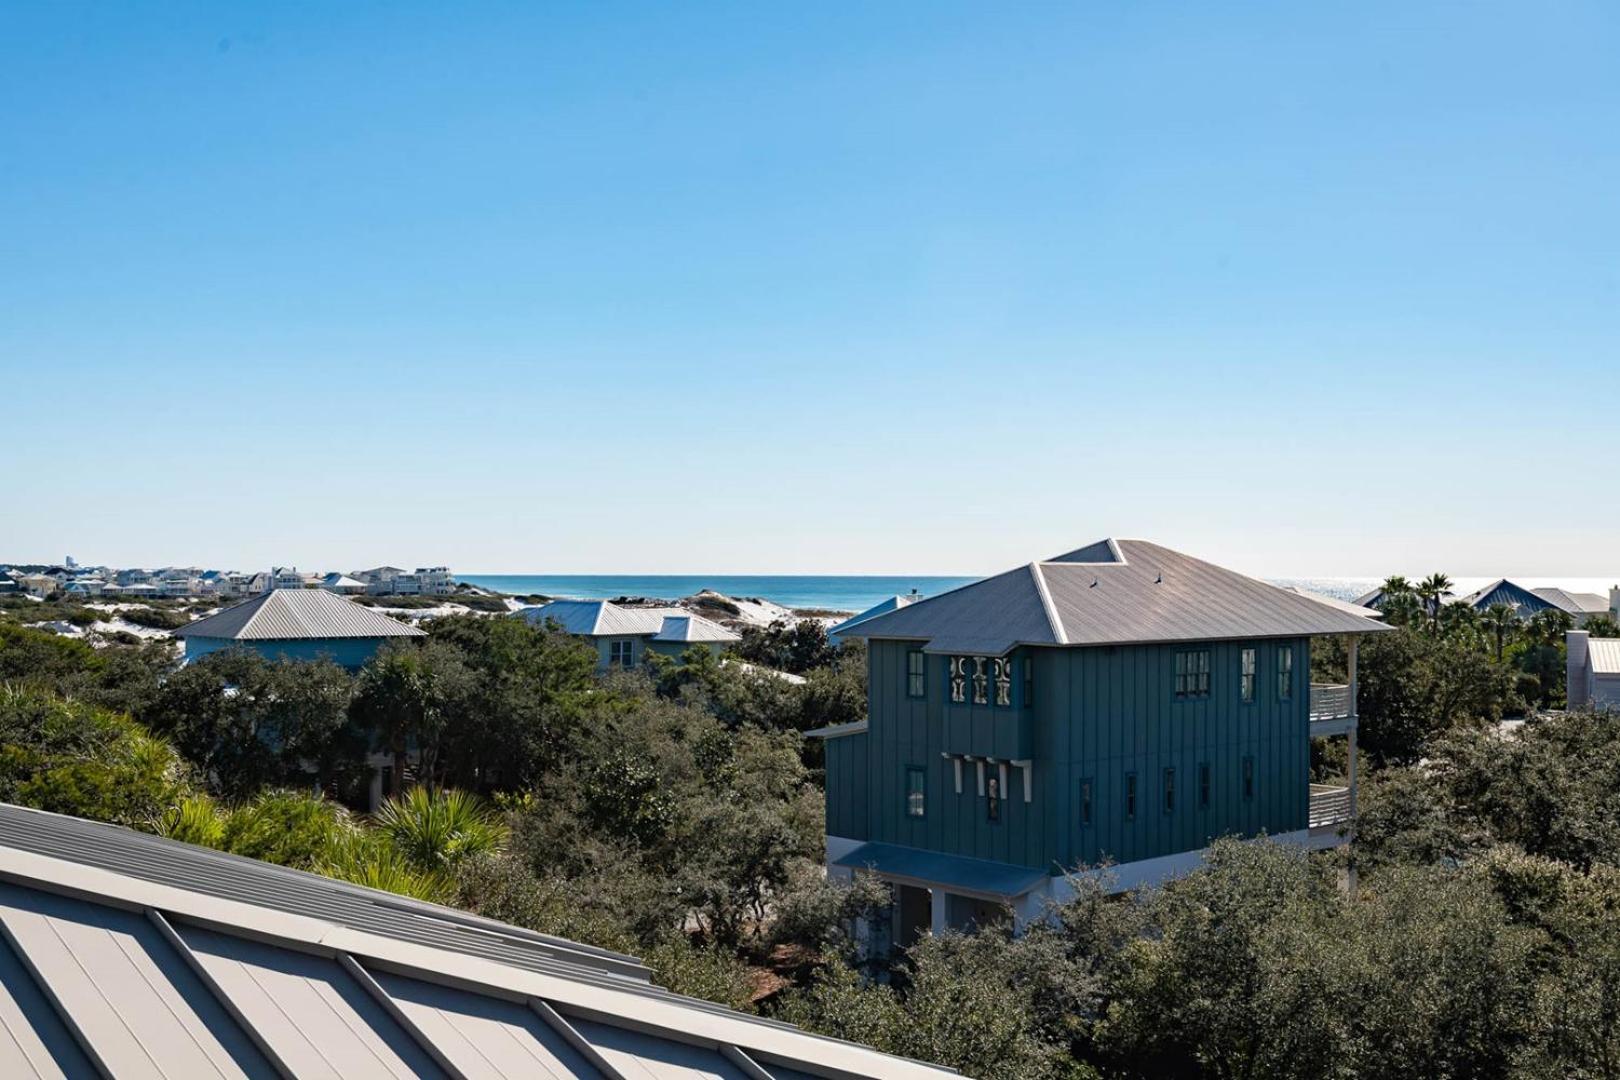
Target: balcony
1333 710
1330 807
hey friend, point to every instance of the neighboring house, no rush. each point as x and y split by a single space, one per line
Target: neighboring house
1346 606
623 635
1580 606
286 577
435 580
39 584
85 587
344 584
126 954
1121 703
836 634
379 579
1593 671
296 624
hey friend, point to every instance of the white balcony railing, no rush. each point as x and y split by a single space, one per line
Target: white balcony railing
1330 701
1329 805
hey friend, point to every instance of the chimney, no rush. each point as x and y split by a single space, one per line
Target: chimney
1576 683
1614 601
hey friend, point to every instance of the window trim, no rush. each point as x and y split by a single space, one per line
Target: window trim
1248 674
1191 670
1285 673
916 681
621 654
992 799
921 790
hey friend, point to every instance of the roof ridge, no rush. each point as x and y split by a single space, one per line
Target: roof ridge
1056 624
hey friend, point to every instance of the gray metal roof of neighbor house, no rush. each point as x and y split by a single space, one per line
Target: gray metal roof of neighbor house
1576 603
127 955
1112 592
602 618
290 614
1605 655
882 607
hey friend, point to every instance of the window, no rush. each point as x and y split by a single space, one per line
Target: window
981 682
1002 669
1085 804
1203 786
1248 676
992 801
1169 791
916 791
620 655
1130 796
1029 682
1285 672
1192 674
1248 779
916 674
959 666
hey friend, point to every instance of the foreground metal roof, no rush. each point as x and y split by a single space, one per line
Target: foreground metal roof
125 955
1111 592
291 614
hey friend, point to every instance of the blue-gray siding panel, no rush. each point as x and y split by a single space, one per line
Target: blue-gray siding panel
1102 713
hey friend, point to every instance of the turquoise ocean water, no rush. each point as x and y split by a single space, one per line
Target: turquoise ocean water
828 592
855 592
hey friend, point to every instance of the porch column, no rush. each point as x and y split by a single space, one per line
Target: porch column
941 918
1352 773
1355 710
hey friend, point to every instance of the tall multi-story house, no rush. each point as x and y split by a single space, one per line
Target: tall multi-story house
435 580
1122 704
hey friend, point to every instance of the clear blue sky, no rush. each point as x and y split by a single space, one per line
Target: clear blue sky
1305 288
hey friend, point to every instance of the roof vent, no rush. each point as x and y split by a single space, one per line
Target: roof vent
1159 578
1094 582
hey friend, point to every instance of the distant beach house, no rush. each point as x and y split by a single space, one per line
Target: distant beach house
1594 671
343 584
296 624
39 584
1526 602
1122 702
392 581
624 635
836 634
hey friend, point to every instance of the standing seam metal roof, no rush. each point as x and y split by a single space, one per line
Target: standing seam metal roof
132 956
292 614
1108 593
601 618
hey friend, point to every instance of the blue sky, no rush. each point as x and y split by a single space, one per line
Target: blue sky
1302 288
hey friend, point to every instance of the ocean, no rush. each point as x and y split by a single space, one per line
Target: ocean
857 592
822 592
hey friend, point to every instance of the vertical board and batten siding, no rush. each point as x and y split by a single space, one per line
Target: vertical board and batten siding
1099 713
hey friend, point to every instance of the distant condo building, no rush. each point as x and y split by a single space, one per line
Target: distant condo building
1121 703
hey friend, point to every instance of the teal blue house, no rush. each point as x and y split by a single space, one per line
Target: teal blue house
1122 703
296 624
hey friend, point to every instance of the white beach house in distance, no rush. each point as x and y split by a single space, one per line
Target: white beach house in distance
624 634
127 955
296 624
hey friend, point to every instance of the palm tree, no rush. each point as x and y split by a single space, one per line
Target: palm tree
1500 621
434 829
1432 590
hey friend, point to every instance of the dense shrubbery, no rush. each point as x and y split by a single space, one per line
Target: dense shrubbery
673 812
